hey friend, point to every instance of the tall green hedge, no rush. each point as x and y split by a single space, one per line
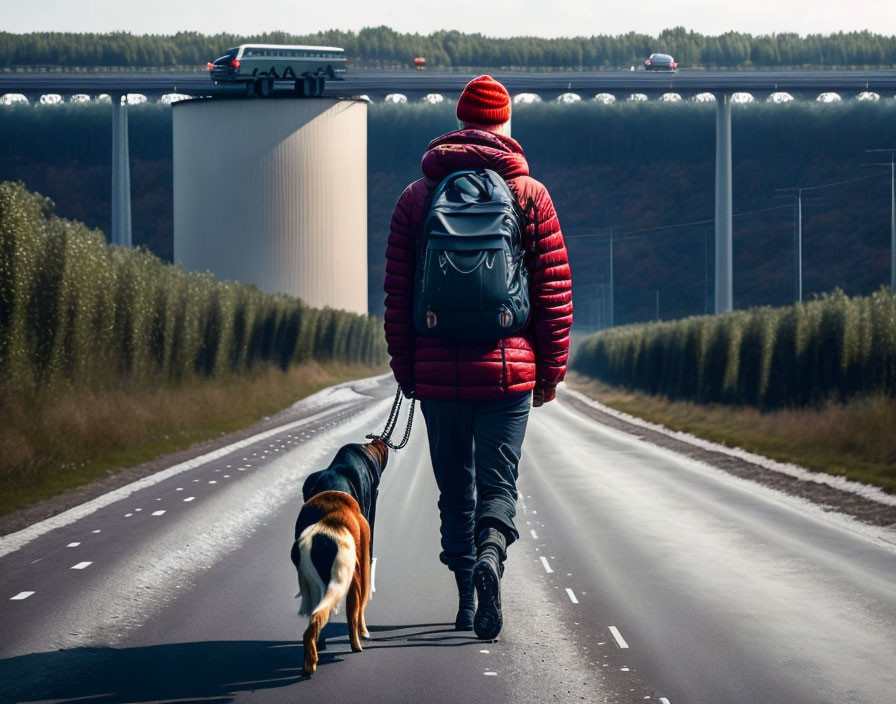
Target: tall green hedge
830 347
76 311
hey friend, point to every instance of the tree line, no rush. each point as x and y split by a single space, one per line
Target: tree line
377 47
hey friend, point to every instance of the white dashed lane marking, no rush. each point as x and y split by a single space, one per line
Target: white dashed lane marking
663 700
572 596
618 636
72 545
96 531
189 498
158 513
81 565
534 534
490 674
20 596
544 561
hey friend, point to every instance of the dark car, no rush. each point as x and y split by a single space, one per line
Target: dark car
660 62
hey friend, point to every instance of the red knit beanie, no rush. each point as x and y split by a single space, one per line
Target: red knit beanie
484 102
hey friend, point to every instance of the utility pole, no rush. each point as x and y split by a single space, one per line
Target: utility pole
892 165
797 240
612 317
705 272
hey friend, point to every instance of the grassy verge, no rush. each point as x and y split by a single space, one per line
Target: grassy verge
50 445
855 439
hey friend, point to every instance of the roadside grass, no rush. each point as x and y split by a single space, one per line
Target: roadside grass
856 439
49 445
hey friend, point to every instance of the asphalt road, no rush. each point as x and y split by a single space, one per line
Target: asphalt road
417 83
640 576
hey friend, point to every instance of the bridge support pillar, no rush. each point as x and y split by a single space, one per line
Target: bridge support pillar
724 289
121 174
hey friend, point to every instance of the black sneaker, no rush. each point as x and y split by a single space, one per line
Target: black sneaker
487 579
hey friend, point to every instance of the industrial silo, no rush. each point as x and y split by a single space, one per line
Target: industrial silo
274 193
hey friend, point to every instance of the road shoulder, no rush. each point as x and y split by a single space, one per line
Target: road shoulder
863 503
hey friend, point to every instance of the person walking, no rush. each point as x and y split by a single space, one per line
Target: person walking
475 394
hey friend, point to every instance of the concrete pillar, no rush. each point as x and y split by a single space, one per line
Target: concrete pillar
274 193
121 174
724 288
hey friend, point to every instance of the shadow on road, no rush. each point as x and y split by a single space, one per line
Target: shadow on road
211 671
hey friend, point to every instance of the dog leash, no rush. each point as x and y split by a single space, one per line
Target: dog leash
386 435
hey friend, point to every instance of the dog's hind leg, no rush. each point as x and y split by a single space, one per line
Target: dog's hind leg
365 575
353 612
309 640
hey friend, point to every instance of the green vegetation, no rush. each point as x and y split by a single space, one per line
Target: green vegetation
87 328
854 439
832 348
384 47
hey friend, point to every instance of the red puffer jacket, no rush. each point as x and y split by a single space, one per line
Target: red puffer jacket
438 369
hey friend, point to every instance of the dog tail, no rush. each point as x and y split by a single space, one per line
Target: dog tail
316 544
326 562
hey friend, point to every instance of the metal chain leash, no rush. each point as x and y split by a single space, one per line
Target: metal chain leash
386 435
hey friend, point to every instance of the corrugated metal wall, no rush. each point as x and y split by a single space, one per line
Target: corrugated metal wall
274 193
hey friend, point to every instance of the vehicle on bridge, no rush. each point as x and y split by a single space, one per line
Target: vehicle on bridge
259 66
660 62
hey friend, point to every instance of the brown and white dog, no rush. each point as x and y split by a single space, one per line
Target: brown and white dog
333 541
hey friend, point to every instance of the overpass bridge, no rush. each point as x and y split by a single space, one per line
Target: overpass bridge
377 84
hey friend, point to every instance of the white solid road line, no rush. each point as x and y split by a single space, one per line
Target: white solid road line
663 700
373 575
572 596
534 534
81 565
544 561
618 636
21 595
14 541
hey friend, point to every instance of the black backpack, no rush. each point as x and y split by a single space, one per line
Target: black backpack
471 279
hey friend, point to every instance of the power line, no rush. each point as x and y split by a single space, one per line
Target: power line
627 234
825 185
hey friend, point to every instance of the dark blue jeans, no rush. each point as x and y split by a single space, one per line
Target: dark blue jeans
475 451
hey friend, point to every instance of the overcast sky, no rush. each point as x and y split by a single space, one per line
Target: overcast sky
546 18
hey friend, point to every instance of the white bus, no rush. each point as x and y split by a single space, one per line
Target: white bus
258 66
